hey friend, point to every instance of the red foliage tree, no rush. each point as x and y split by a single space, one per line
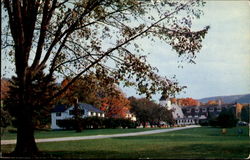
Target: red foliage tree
187 102
115 106
4 88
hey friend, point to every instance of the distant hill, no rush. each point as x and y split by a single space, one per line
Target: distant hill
245 98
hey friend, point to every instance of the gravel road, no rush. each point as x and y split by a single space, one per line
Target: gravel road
4 142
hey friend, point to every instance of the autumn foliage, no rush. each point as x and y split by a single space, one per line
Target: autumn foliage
185 101
90 89
212 102
115 106
4 88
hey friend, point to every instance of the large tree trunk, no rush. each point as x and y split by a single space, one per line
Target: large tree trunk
26 145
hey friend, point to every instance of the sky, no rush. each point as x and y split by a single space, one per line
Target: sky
223 64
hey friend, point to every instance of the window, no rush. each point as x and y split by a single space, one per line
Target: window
196 110
204 110
58 114
188 110
71 112
211 109
218 109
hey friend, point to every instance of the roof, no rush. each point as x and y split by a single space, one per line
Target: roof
89 107
60 108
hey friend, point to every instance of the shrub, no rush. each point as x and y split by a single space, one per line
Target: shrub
96 122
226 119
204 122
5 119
66 123
112 123
213 122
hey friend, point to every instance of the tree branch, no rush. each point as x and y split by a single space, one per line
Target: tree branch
111 50
71 29
44 26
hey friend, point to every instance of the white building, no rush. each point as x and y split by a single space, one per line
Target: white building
63 112
177 111
130 116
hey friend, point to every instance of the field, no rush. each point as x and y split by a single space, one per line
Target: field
204 142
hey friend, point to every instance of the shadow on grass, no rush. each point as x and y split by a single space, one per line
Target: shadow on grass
181 151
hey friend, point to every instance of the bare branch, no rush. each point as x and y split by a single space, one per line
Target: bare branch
71 29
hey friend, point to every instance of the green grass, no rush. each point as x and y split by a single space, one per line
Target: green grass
193 143
72 133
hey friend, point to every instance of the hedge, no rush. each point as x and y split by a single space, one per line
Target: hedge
96 122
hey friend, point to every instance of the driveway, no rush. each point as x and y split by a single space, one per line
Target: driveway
4 142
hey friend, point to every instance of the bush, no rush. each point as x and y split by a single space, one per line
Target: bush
226 119
213 122
96 122
112 123
66 123
204 122
5 119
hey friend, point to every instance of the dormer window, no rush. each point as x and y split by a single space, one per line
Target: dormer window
204 110
218 109
211 109
196 110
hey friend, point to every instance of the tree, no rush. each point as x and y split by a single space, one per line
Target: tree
89 88
212 102
5 120
245 113
148 111
187 102
75 37
40 89
226 119
115 106
4 89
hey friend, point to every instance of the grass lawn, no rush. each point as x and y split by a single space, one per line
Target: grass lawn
204 142
72 133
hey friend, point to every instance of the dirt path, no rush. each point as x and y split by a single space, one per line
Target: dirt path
4 142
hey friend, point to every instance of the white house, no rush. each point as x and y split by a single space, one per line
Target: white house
63 112
177 111
130 116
